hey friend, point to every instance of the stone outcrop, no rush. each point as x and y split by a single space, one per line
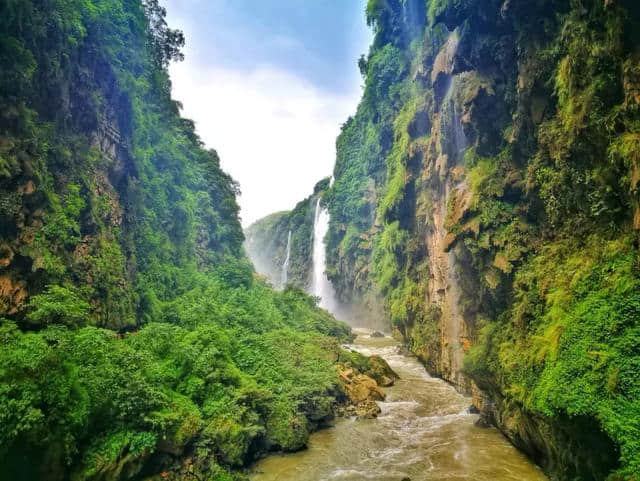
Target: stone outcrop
363 386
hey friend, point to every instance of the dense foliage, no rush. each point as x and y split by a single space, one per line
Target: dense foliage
225 374
498 142
104 185
135 340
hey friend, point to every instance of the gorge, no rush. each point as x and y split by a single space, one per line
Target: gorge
478 235
482 192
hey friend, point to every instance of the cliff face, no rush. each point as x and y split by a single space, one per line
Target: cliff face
483 189
97 169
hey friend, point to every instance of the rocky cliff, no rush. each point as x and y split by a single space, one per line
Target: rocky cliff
97 170
486 189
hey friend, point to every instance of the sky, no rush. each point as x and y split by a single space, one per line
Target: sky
268 84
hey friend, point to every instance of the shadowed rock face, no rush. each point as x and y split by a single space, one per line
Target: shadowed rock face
450 198
24 260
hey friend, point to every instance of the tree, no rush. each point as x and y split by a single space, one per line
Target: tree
165 42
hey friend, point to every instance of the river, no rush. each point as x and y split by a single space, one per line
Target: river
424 432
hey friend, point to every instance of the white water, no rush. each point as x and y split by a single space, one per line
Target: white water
321 286
285 265
424 432
452 129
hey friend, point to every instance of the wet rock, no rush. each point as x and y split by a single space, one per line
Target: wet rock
367 410
376 334
362 392
386 381
347 411
473 410
483 422
380 370
420 125
363 388
443 64
346 374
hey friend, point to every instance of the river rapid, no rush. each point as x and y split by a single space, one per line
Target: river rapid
424 432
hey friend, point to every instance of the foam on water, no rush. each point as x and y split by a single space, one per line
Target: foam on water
424 432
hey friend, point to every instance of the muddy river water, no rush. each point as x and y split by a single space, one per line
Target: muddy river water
424 432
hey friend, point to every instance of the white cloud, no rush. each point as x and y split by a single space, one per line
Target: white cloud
274 132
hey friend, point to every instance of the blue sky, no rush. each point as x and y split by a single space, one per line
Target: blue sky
268 83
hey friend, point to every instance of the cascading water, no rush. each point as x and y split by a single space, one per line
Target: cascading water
285 265
453 136
458 146
321 286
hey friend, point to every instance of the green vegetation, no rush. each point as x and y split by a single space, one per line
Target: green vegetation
226 373
136 342
488 181
497 143
569 343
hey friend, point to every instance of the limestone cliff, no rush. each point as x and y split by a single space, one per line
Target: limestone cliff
97 169
483 189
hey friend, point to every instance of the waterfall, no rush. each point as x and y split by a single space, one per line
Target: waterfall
454 138
285 265
460 139
321 286
456 144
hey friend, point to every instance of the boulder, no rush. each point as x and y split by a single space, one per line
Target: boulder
367 410
362 380
380 370
363 388
362 393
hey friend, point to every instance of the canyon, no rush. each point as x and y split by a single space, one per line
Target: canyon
480 192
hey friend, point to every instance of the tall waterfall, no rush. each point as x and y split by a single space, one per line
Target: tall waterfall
321 286
285 265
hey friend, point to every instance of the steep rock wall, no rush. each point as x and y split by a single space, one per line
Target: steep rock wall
482 189
96 169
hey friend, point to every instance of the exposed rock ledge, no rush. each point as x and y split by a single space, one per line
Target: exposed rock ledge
362 385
